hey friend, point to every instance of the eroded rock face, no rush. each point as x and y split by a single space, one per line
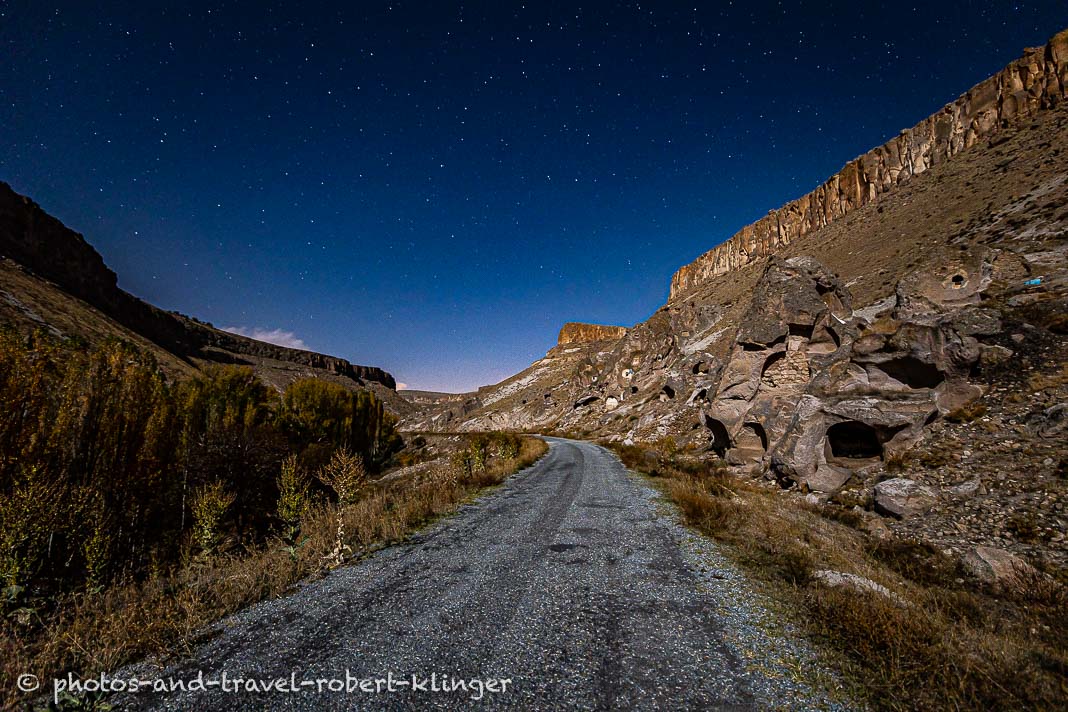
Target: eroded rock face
575 332
802 388
816 391
1036 81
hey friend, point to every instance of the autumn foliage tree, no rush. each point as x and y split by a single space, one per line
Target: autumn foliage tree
107 469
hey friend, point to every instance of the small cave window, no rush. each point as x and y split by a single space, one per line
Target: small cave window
853 439
588 400
913 372
668 391
721 440
772 360
785 368
752 437
958 281
803 330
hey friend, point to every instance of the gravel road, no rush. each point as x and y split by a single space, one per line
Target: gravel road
573 582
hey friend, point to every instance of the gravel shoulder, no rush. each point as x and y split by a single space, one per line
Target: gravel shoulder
573 580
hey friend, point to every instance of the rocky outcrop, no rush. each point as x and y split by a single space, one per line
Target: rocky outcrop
816 391
38 241
46 247
575 332
1036 81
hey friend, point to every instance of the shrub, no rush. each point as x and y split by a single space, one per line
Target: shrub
506 445
478 446
293 498
209 503
346 475
315 412
967 413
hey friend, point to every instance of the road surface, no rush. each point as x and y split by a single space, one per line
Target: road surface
570 587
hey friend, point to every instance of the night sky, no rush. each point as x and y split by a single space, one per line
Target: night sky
436 188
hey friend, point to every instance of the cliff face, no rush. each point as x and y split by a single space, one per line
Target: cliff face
45 246
575 332
1038 80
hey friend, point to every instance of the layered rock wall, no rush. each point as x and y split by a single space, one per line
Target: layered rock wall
1036 81
574 332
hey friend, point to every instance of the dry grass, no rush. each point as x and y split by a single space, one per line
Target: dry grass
89 633
955 645
967 413
1049 380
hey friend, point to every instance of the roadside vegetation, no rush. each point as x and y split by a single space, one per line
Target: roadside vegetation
935 639
134 511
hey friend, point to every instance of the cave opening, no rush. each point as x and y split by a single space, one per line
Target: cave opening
668 391
721 439
752 437
853 439
913 372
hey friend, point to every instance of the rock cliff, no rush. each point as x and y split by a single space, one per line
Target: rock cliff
1036 81
575 332
47 248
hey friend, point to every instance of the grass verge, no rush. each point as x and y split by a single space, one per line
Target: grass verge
88 633
944 641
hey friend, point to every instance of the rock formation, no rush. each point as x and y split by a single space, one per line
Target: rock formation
1036 81
43 245
576 332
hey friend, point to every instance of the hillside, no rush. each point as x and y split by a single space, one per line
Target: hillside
51 278
907 357
985 184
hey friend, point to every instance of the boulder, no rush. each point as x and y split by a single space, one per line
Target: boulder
828 478
996 566
966 489
1053 421
991 356
901 497
839 579
874 525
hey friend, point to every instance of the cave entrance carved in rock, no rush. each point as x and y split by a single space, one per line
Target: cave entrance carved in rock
853 440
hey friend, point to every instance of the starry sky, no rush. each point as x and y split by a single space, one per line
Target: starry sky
436 187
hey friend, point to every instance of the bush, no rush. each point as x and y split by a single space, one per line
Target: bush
209 504
967 413
293 496
107 470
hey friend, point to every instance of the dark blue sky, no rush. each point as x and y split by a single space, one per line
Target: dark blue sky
435 188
